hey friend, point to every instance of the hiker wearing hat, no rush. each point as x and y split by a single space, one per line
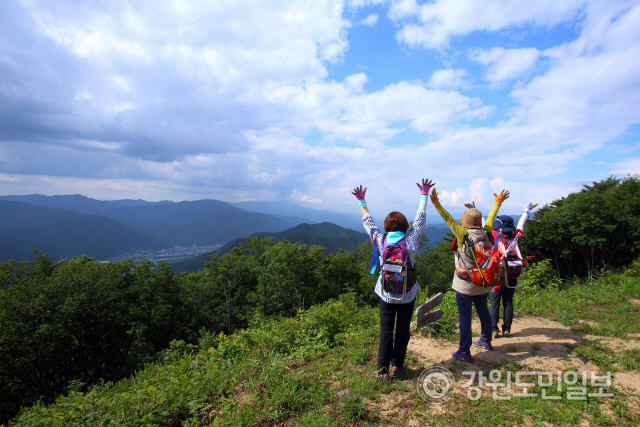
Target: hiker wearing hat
467 292
396 303
506 289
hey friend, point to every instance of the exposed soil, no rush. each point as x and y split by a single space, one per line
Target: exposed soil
536 344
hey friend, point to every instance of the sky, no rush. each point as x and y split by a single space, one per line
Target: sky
301 101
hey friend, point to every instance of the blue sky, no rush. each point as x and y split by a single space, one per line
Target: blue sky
302 101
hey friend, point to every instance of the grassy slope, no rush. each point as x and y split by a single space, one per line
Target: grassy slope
288 372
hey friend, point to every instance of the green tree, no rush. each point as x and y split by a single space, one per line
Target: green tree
435 266
289 278
596 228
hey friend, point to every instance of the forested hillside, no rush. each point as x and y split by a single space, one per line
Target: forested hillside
328 235
73 323
595 229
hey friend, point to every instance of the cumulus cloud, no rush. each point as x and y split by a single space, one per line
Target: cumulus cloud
370 20
449 78
433 24
185 100
503 64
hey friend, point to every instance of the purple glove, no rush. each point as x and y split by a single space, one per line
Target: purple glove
425 187
359 192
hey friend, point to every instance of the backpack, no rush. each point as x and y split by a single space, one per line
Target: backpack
397 271
488 265
509 250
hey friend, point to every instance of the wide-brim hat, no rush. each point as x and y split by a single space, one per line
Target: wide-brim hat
471 218
504 223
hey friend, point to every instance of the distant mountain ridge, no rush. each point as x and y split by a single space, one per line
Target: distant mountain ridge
291 211
138 224
78 202
63 233
201 222
326 234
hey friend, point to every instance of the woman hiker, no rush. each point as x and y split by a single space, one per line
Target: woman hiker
396 306
504 223
467 292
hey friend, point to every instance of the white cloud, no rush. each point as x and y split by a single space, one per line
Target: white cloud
588 93
506 64
356 82
370 20
433 24
628 166
185 100
449 78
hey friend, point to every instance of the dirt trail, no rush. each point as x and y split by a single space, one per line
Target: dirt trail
536 344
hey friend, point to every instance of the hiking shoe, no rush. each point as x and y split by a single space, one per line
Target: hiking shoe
496 335
506 334
384 377
465 357
395 371
483 344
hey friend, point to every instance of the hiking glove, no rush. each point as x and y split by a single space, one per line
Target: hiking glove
530 206
425 187
504 195
434 197
496 288
470 205
359 193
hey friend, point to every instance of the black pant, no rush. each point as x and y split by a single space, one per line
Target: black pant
507 302
390 352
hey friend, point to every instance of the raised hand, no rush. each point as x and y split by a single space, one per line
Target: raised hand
359 192
426 186
504 195
434 197
470 205
531 206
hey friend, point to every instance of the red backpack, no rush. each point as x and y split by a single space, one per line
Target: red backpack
487 266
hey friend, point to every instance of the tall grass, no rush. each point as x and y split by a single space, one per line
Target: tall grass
230 380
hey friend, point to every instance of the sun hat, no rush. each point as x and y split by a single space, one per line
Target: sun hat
471 218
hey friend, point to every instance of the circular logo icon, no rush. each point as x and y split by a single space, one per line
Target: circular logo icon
436 385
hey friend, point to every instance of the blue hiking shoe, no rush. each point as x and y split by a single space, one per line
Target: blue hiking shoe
465 357
483 344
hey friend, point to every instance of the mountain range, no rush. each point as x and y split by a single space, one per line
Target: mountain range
64 233
64 226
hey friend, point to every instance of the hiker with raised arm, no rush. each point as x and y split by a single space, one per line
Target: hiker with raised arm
476 270
395 252
509 246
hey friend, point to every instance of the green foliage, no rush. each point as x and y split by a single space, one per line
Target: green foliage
435 267
597 228
205 388
598 306
539 276
289 278
78 320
